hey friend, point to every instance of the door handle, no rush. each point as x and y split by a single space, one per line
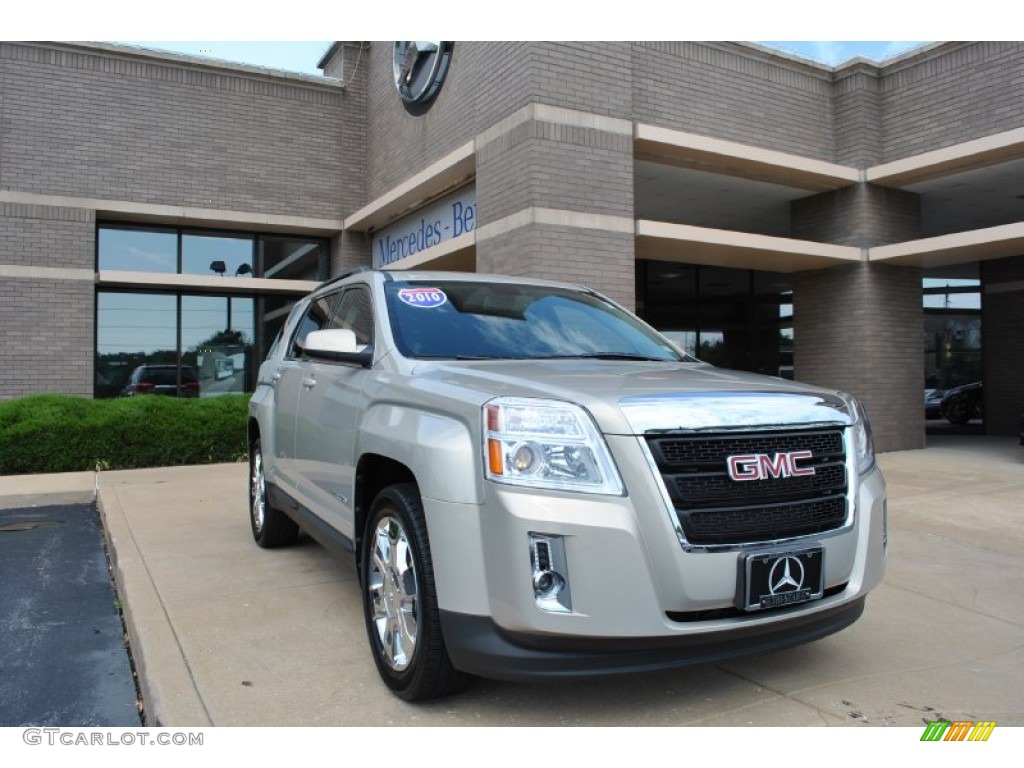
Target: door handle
275 378
309 382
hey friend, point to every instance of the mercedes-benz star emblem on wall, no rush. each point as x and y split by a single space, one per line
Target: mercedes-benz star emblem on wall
420 67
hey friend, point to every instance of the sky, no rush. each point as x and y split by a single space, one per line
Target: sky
303 56
232 25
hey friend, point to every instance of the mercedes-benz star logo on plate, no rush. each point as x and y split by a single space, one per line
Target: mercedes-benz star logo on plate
786 575
419 68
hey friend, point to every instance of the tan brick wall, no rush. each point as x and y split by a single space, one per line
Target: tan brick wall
859 329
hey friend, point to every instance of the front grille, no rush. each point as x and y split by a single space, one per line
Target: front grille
692 450
712 508
699 489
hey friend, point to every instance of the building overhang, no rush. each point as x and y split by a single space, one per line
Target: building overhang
965 156
444 175
457 254
662 241
203 283
180 215
690 150
957 248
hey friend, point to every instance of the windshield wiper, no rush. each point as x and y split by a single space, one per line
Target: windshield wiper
609 356
487 357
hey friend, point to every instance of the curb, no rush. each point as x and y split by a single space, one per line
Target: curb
169 693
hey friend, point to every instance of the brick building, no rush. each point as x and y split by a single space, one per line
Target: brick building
859 227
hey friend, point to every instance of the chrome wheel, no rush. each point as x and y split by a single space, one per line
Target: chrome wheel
394 593
257 493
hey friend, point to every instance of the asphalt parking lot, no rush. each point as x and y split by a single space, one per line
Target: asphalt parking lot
63 659
227 634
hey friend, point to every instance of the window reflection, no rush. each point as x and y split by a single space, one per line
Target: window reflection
222 338
134 331
138 250
951 297
153 249
292 258
271 313
217 340
734 318
226 256
137 344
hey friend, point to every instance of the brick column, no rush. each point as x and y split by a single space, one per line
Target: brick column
859 328
857 115
348 61
555 178
557 202
349 250
1002 333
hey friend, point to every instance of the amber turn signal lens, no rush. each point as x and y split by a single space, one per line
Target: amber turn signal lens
494 456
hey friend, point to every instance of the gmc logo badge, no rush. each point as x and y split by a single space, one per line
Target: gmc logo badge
761 466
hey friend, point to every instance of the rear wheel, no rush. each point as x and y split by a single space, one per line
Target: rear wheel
959 411
399 602
270 527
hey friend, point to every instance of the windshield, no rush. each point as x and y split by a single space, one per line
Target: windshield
483 320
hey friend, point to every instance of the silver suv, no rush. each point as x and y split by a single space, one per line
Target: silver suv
535 484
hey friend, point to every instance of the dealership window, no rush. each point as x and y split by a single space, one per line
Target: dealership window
138 250
134 330
291 258
224 255
951 297
175 250
185 344
734 318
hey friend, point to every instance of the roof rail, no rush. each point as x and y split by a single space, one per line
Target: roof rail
343 275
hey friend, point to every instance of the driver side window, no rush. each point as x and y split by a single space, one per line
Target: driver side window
316 318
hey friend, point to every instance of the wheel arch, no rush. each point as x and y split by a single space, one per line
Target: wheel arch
374 473
252 431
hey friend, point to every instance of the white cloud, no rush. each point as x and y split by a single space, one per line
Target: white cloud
830 52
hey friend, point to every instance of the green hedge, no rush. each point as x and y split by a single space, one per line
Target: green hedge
64 433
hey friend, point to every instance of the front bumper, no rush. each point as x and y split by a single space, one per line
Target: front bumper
480 647
639 599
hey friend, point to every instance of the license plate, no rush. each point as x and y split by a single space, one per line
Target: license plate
778 579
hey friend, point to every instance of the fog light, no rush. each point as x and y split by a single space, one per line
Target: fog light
549 573
547 583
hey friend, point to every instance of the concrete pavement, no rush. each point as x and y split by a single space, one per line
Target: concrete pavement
225 633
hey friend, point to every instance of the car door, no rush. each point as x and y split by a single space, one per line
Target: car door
287 382
331 400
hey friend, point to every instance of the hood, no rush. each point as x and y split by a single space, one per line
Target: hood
627 397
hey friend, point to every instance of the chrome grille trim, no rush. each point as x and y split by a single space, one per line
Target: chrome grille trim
849 495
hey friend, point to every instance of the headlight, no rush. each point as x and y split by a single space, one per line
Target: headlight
863 443
546 444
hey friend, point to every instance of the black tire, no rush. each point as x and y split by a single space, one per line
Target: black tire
399 600
273 528
958 411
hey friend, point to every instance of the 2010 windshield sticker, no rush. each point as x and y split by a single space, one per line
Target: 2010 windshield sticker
425 298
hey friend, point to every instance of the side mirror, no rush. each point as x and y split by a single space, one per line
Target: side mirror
338 344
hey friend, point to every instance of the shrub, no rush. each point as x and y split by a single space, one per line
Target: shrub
65 433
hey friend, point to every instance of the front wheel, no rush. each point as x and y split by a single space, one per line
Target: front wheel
399 602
